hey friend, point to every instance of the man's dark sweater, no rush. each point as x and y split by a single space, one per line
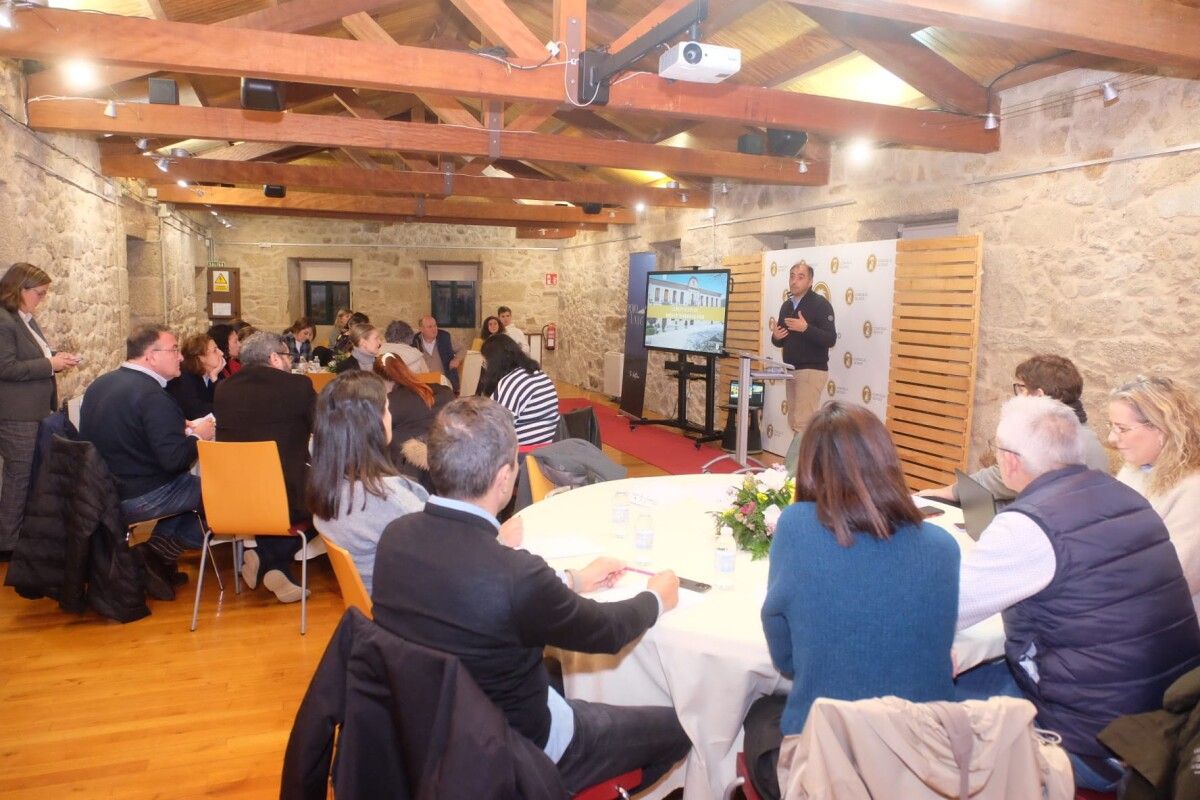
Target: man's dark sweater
138 429
810 349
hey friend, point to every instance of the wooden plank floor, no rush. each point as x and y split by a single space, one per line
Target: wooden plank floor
95 709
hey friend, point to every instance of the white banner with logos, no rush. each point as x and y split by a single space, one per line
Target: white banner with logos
858 280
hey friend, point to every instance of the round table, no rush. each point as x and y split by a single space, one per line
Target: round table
708 657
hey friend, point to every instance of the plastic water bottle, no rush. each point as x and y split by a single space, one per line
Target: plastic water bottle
643 538
726 558
620 514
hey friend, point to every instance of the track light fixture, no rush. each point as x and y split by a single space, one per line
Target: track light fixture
181 183
1109 91
6 14
162 163
991 122
179 152
802 167
110 109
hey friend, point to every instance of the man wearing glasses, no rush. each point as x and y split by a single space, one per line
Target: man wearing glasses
1098 618
149 447
1042 375
265 401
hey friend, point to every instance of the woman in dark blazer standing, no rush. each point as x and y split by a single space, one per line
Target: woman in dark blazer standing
27 389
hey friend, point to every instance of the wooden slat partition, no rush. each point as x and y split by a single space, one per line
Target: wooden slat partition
745 318
935 334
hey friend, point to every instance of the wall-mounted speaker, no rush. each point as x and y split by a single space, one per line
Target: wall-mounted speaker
785 143
274 190
164 91
752 144
259 94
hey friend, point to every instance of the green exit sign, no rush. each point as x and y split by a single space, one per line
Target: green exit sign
216 263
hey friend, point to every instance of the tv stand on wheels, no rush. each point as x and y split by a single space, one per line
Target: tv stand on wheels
685 371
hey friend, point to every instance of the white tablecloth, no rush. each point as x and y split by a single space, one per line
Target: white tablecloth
708 658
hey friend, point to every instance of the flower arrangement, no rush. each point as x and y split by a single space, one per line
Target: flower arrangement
758 503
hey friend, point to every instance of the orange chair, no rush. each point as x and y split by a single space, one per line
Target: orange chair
244 495
354 591
320 379
539 485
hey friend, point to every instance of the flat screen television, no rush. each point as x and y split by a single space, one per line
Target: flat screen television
686 310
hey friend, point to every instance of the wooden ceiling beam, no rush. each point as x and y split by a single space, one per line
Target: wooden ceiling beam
87 116
121 163
497 22
663 11
891 46
546 233
189 48
722 15
296 16
376 216
1055 66
1145 31
496 213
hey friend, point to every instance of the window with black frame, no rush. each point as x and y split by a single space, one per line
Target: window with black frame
453 303
322 299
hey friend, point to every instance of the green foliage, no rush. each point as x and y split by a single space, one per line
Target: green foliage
757 503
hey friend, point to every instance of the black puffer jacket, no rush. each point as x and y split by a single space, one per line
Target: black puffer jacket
72 544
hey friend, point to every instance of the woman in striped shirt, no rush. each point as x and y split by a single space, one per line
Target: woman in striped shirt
514 380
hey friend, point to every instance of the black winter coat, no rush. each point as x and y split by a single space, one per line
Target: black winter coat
413 724
72 545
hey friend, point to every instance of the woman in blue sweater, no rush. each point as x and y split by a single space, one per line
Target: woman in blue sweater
862 595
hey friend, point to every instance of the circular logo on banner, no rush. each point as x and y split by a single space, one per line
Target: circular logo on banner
850 296
770 431
822 289
834 264
783 407
774 269
848 360
785 294
831 388
866 394
868 329
872 261
771 323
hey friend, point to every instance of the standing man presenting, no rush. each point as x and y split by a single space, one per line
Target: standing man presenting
805 332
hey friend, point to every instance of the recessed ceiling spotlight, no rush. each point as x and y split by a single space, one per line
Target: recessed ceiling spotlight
639 207
80 74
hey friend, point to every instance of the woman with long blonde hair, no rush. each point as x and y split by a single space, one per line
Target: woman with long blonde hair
1155 425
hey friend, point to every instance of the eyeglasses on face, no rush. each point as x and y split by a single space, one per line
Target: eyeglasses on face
1121 430
1019 388
995 445
174 349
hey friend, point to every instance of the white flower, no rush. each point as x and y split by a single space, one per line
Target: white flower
771 516
773 479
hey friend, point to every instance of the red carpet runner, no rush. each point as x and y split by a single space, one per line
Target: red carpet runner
662 447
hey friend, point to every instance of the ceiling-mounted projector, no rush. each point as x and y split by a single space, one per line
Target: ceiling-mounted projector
699 62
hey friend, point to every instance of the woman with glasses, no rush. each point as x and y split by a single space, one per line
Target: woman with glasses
1155 425
194 388
1051 376
28 392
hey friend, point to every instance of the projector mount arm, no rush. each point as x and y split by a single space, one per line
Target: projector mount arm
596 67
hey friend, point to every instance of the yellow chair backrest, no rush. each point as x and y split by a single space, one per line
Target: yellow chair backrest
354 592
539 484
320 379
243 490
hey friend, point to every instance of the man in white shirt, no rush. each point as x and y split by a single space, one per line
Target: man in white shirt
512 331
1098 619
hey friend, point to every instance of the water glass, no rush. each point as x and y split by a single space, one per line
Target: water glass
643 538
620 514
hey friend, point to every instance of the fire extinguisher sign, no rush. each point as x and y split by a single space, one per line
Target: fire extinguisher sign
552 279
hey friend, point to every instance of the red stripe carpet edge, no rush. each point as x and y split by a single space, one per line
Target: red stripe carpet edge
662 447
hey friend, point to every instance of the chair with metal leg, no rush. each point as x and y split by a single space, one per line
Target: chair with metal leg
244 495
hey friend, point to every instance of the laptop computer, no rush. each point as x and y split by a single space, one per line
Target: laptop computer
978 504
757 393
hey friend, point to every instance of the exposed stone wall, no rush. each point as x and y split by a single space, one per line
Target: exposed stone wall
388 276
1098 263
58 212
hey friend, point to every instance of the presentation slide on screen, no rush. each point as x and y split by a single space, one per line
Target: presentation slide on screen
686 310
